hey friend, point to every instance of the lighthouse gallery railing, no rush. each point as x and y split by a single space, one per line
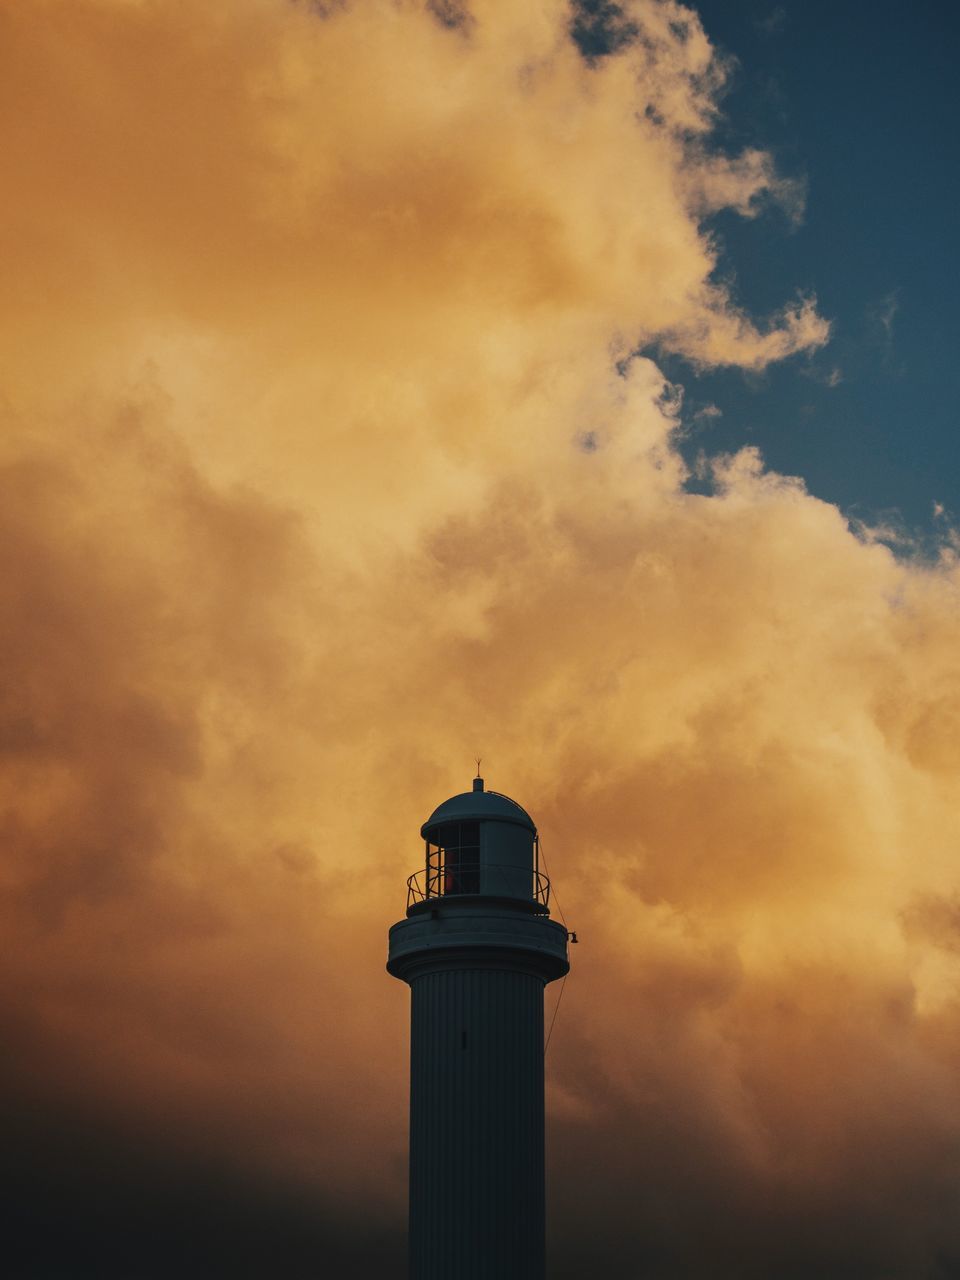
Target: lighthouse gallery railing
457 879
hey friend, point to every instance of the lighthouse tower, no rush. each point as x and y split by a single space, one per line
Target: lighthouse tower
477 948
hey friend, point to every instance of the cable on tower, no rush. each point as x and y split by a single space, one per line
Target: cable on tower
556 1010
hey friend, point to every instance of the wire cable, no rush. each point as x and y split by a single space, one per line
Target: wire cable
563 983
553 892
556 1010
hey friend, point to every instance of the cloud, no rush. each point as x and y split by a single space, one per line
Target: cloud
885 312
748 183
773 22
325 465
707 412
880 318
830 375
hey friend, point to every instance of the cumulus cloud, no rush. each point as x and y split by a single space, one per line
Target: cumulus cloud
311 313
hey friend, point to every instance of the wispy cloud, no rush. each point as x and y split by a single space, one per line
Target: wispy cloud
881 316
773 22
708 412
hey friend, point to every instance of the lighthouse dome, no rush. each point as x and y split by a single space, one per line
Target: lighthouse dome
478 805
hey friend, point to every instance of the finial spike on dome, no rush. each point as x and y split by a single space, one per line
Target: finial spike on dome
478 781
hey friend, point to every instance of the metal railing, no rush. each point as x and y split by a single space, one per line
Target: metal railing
461 879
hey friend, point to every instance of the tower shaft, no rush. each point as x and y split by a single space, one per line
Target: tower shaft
476 1125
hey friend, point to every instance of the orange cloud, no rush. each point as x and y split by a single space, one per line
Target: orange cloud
326 465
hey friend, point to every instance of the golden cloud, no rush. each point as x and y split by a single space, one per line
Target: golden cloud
328 462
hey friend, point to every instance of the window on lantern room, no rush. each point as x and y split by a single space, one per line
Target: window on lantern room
460 842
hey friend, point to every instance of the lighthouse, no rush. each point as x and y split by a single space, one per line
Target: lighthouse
477 947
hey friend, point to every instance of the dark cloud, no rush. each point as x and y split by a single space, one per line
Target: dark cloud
88 1196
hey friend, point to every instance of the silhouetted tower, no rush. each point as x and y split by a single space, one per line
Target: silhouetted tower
477 948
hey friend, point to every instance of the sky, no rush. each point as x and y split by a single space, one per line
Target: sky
859 108
385 384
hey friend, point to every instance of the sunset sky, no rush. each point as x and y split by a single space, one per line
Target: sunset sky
388 383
